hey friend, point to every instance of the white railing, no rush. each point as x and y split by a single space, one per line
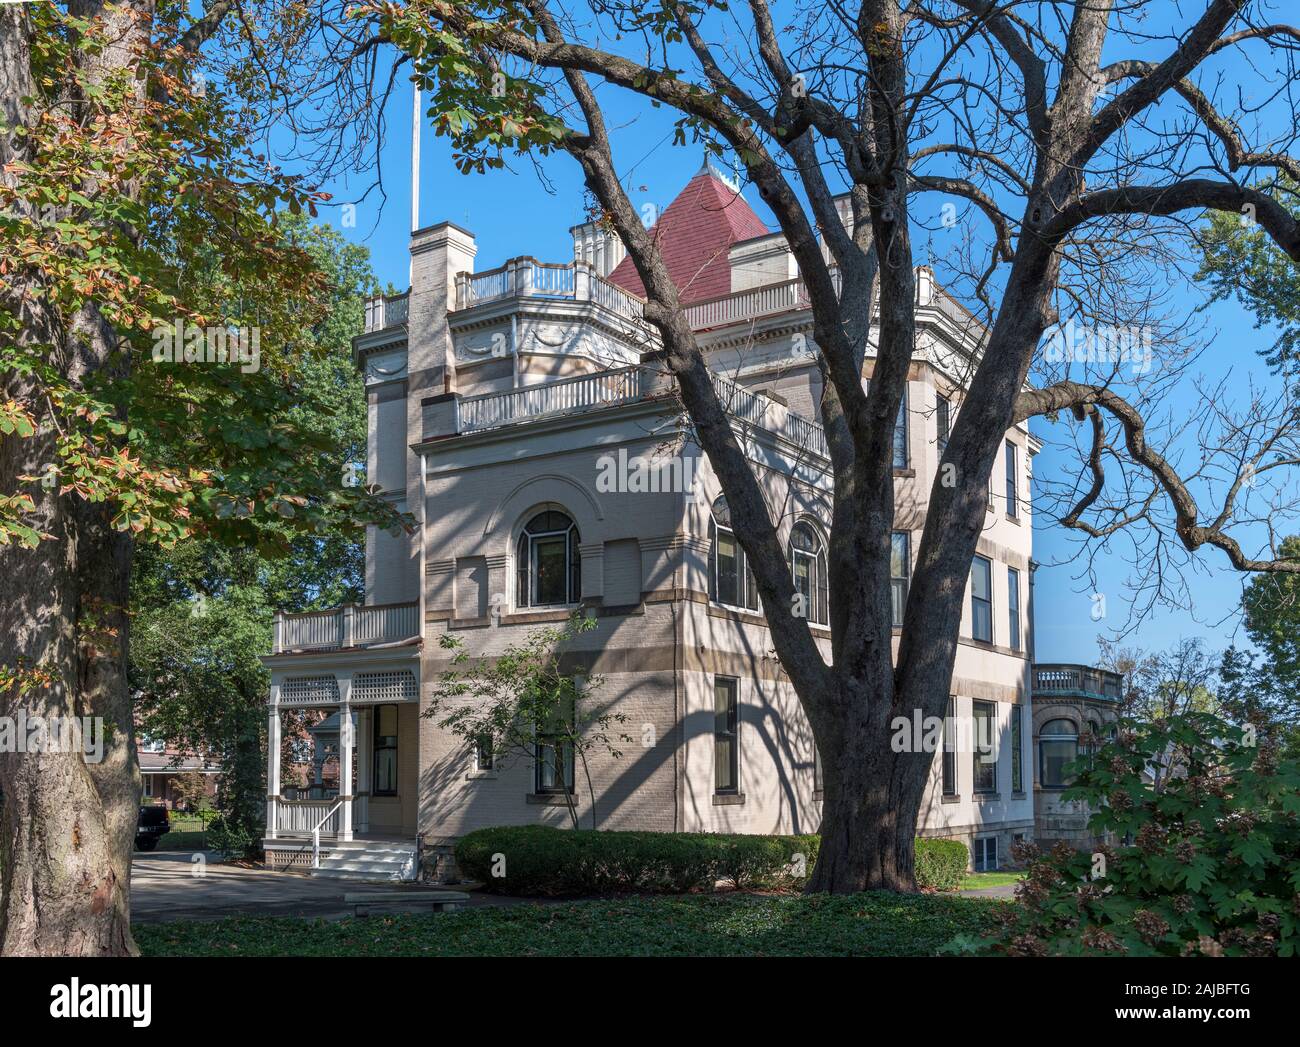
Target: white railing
315 833
1060 678
305 816
529 278
385 311
787 296
765 413
350 626
567 395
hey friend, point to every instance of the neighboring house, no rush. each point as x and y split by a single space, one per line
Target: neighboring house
1075 707
161 765
499 403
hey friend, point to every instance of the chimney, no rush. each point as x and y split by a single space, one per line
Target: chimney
438 253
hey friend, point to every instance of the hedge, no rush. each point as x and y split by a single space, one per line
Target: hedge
539 860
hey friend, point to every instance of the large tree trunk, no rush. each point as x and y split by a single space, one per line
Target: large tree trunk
68 823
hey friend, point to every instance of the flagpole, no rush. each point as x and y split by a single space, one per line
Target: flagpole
415 162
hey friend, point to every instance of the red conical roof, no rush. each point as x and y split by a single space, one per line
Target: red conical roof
694 235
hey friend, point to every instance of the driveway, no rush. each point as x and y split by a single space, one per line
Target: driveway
193 885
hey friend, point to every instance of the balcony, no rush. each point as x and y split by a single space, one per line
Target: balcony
386 311
529 278
1061 680
627 385
352 625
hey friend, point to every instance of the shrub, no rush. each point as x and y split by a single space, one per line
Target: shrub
538 860
940 864
234 841
1210 864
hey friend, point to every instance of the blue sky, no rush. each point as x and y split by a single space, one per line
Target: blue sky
516 212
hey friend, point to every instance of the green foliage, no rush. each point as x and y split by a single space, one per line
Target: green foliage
539 860
234 840
1242 263
872 924
1213 862
139 202
940 864
203 611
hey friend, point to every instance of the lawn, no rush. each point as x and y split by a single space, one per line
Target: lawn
183 840
873 924
990 879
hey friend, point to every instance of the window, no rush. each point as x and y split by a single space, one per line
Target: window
1017 751
900 561
555 752
943 419
384 782
153 745
981 599
726 777
984 757
547 562
1013 607
808 566
900 434
730 579
1013 501
950 749
819 781
484 754
984 853
1058 745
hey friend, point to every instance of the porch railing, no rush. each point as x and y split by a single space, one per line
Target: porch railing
353 625
1059 678
306 816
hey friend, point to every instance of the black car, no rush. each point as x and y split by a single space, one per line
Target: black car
153 823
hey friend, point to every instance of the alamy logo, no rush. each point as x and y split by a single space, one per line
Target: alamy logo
75 1000
179 342
668 474
1102 344
56 734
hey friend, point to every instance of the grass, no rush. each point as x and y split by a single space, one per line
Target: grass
990 879
873 924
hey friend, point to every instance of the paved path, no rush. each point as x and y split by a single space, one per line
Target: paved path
177 885
1005 891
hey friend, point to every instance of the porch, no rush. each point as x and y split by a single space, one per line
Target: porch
342 747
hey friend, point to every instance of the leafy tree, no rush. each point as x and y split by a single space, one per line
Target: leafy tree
1077 189
1213 868
499 705
203 611
131 200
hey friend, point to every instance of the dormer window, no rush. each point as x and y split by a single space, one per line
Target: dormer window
547 563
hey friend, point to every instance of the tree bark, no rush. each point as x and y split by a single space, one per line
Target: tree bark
68 822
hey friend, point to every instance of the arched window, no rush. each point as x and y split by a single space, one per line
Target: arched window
1058 745
547 564
808 566
730 579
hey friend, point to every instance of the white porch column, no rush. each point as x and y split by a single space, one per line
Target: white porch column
365 729
273 761
346 744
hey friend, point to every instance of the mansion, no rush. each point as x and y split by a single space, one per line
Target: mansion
520 415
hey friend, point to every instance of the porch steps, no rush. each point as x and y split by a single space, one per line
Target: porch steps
368 861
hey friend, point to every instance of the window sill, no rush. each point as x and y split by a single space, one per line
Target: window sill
728 799
989 797
908 472
1021 795
950 798
1013 519
551 799
819 795
478 776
